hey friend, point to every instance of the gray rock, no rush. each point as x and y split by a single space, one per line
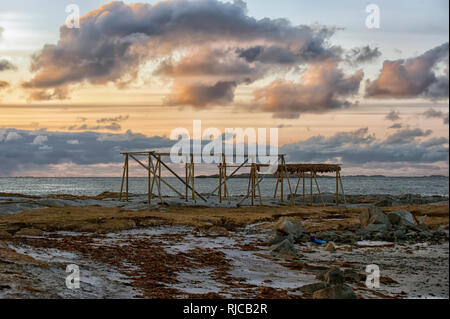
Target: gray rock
291 227
279 237
351 276
401 218
285 249
399 234
334 276
312 288
378 228
335 292
373 215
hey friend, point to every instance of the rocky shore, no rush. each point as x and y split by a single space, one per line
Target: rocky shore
208 252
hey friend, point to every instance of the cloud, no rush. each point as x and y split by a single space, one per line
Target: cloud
406 136
3 85
40 140
414 77
21 150
12 136
432 113
396 126
221 93
205 48
363 54
393 116
6 65
119 118
361 149
323 87
84 127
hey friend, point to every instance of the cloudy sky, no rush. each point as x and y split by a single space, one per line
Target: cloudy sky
373 99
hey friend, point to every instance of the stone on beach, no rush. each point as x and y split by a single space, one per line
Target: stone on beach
401 218
330 247
335 292
290 227
284 249
373 215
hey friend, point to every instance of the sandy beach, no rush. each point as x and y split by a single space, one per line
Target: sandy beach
209 252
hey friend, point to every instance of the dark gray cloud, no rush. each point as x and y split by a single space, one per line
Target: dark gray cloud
363 54
6 65
116 119
84 127
393 116
432 113
414 77
359 148
20 149
406 136
396 126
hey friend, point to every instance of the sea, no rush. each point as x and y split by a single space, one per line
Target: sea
353 185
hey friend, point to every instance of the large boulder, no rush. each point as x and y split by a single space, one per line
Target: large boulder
373 215
401 218
290 227
335 292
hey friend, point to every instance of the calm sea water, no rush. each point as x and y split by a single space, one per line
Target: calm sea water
436 185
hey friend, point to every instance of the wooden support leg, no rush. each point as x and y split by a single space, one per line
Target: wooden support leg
276 186
126 165
318 189
342 189
149 181
123 179
303 188
311 188
220 183
337 189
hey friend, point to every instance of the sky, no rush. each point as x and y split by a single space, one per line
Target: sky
373 99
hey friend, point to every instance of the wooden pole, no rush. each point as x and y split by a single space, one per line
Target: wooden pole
159 179
193 178
220 183
276 186
186 168
311 188
126 165
342 189
149 181
123 179
318 189
259 189
303 188
337 188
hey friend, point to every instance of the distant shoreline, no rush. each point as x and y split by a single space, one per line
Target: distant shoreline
239 176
